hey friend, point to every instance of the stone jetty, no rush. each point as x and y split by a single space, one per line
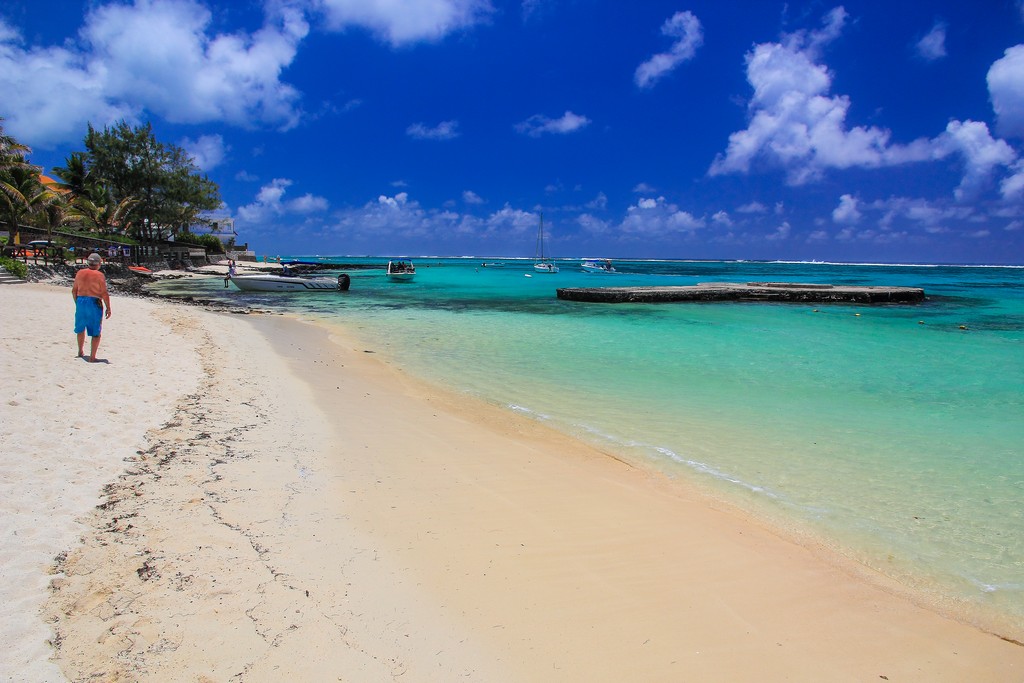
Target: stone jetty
798 292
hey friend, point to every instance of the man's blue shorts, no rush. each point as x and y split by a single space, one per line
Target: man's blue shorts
88 315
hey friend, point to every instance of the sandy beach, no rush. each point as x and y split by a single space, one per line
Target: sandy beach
256 498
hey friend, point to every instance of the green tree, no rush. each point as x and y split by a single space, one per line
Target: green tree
168 191
102 214
77 177
21 195
12 152
52 212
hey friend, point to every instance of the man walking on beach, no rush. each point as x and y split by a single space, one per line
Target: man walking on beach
90 294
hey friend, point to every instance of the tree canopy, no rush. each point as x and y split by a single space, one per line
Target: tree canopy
166 190
125 182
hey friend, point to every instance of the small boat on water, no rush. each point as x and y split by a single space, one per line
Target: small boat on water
492 264
597 265
543 264
402 271
269 282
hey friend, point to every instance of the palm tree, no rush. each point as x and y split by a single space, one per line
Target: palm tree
52 212
76 176
101 214
21 195
12 152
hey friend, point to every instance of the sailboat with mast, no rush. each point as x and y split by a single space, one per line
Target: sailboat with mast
543 264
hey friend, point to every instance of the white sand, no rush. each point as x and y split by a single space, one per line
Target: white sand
67 427
313 514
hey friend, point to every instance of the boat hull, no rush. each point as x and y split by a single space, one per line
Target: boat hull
545 267
401 271
278 283
601 266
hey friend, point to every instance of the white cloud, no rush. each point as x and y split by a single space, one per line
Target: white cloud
644 188
598 203
752 207
722 218
933 45
658 218
1006 90
922 214
446 130
270 204
794 124
981 154
471 197
846 213
1012 187
207 152
593 225
538 125
686 29
781 233
51 93
401 22
118 69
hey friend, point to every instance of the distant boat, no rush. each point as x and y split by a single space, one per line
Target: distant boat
543 265
268 282
597 265
492 264
401 270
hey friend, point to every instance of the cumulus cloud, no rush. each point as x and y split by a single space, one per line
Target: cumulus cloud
446 130
471 197
658 217
400 22
538 125
752 207
643 188
270 204
781 233
722 218
847 212
685 28
1012 187
920 214
796 125
981 154
117 70
1006 90
207 152
933 45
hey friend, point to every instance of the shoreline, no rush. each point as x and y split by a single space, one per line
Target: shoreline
337 516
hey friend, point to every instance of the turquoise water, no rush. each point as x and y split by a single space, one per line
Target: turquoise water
888 432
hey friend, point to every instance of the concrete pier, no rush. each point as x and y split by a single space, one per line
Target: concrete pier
798 292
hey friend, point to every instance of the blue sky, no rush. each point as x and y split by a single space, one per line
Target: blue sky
862 131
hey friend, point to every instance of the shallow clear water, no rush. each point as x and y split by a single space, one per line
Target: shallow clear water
888 431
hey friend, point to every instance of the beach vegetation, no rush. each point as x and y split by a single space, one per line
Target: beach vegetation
162 185
207 241
14 267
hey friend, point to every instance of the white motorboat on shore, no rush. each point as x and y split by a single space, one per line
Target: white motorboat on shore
402 271
597 265
268 282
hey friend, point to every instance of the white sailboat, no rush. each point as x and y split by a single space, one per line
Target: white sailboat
543 265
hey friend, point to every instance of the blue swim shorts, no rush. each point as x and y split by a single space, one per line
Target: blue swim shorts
88 315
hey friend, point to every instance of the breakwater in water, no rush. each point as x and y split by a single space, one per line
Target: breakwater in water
750 291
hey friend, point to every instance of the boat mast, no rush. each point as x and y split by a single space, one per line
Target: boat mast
540 238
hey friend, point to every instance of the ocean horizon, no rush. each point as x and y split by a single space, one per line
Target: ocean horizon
890 433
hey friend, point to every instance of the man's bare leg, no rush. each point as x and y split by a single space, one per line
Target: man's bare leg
93 346
81 344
